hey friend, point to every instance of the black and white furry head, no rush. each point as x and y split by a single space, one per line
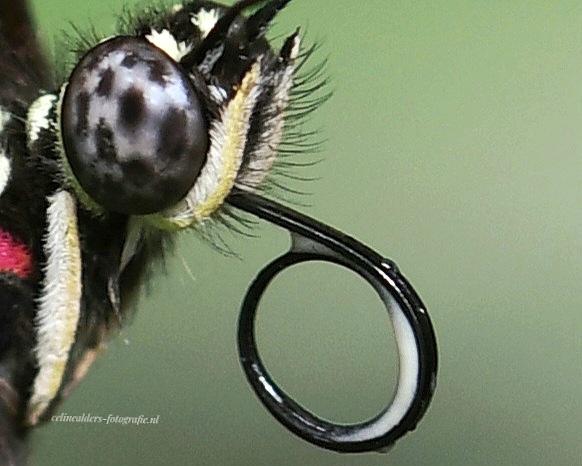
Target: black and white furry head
239 93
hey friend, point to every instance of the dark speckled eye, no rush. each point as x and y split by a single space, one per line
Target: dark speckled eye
133 127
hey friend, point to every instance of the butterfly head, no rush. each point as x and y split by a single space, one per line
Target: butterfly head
164 120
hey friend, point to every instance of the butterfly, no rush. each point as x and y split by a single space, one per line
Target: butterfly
179 122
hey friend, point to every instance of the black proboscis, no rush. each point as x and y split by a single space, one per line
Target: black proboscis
315 241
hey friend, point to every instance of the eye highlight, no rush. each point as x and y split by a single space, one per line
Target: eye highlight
133 127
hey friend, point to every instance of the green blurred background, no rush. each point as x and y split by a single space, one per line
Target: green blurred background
455 148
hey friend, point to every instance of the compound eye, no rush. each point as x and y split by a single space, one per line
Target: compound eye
133 128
